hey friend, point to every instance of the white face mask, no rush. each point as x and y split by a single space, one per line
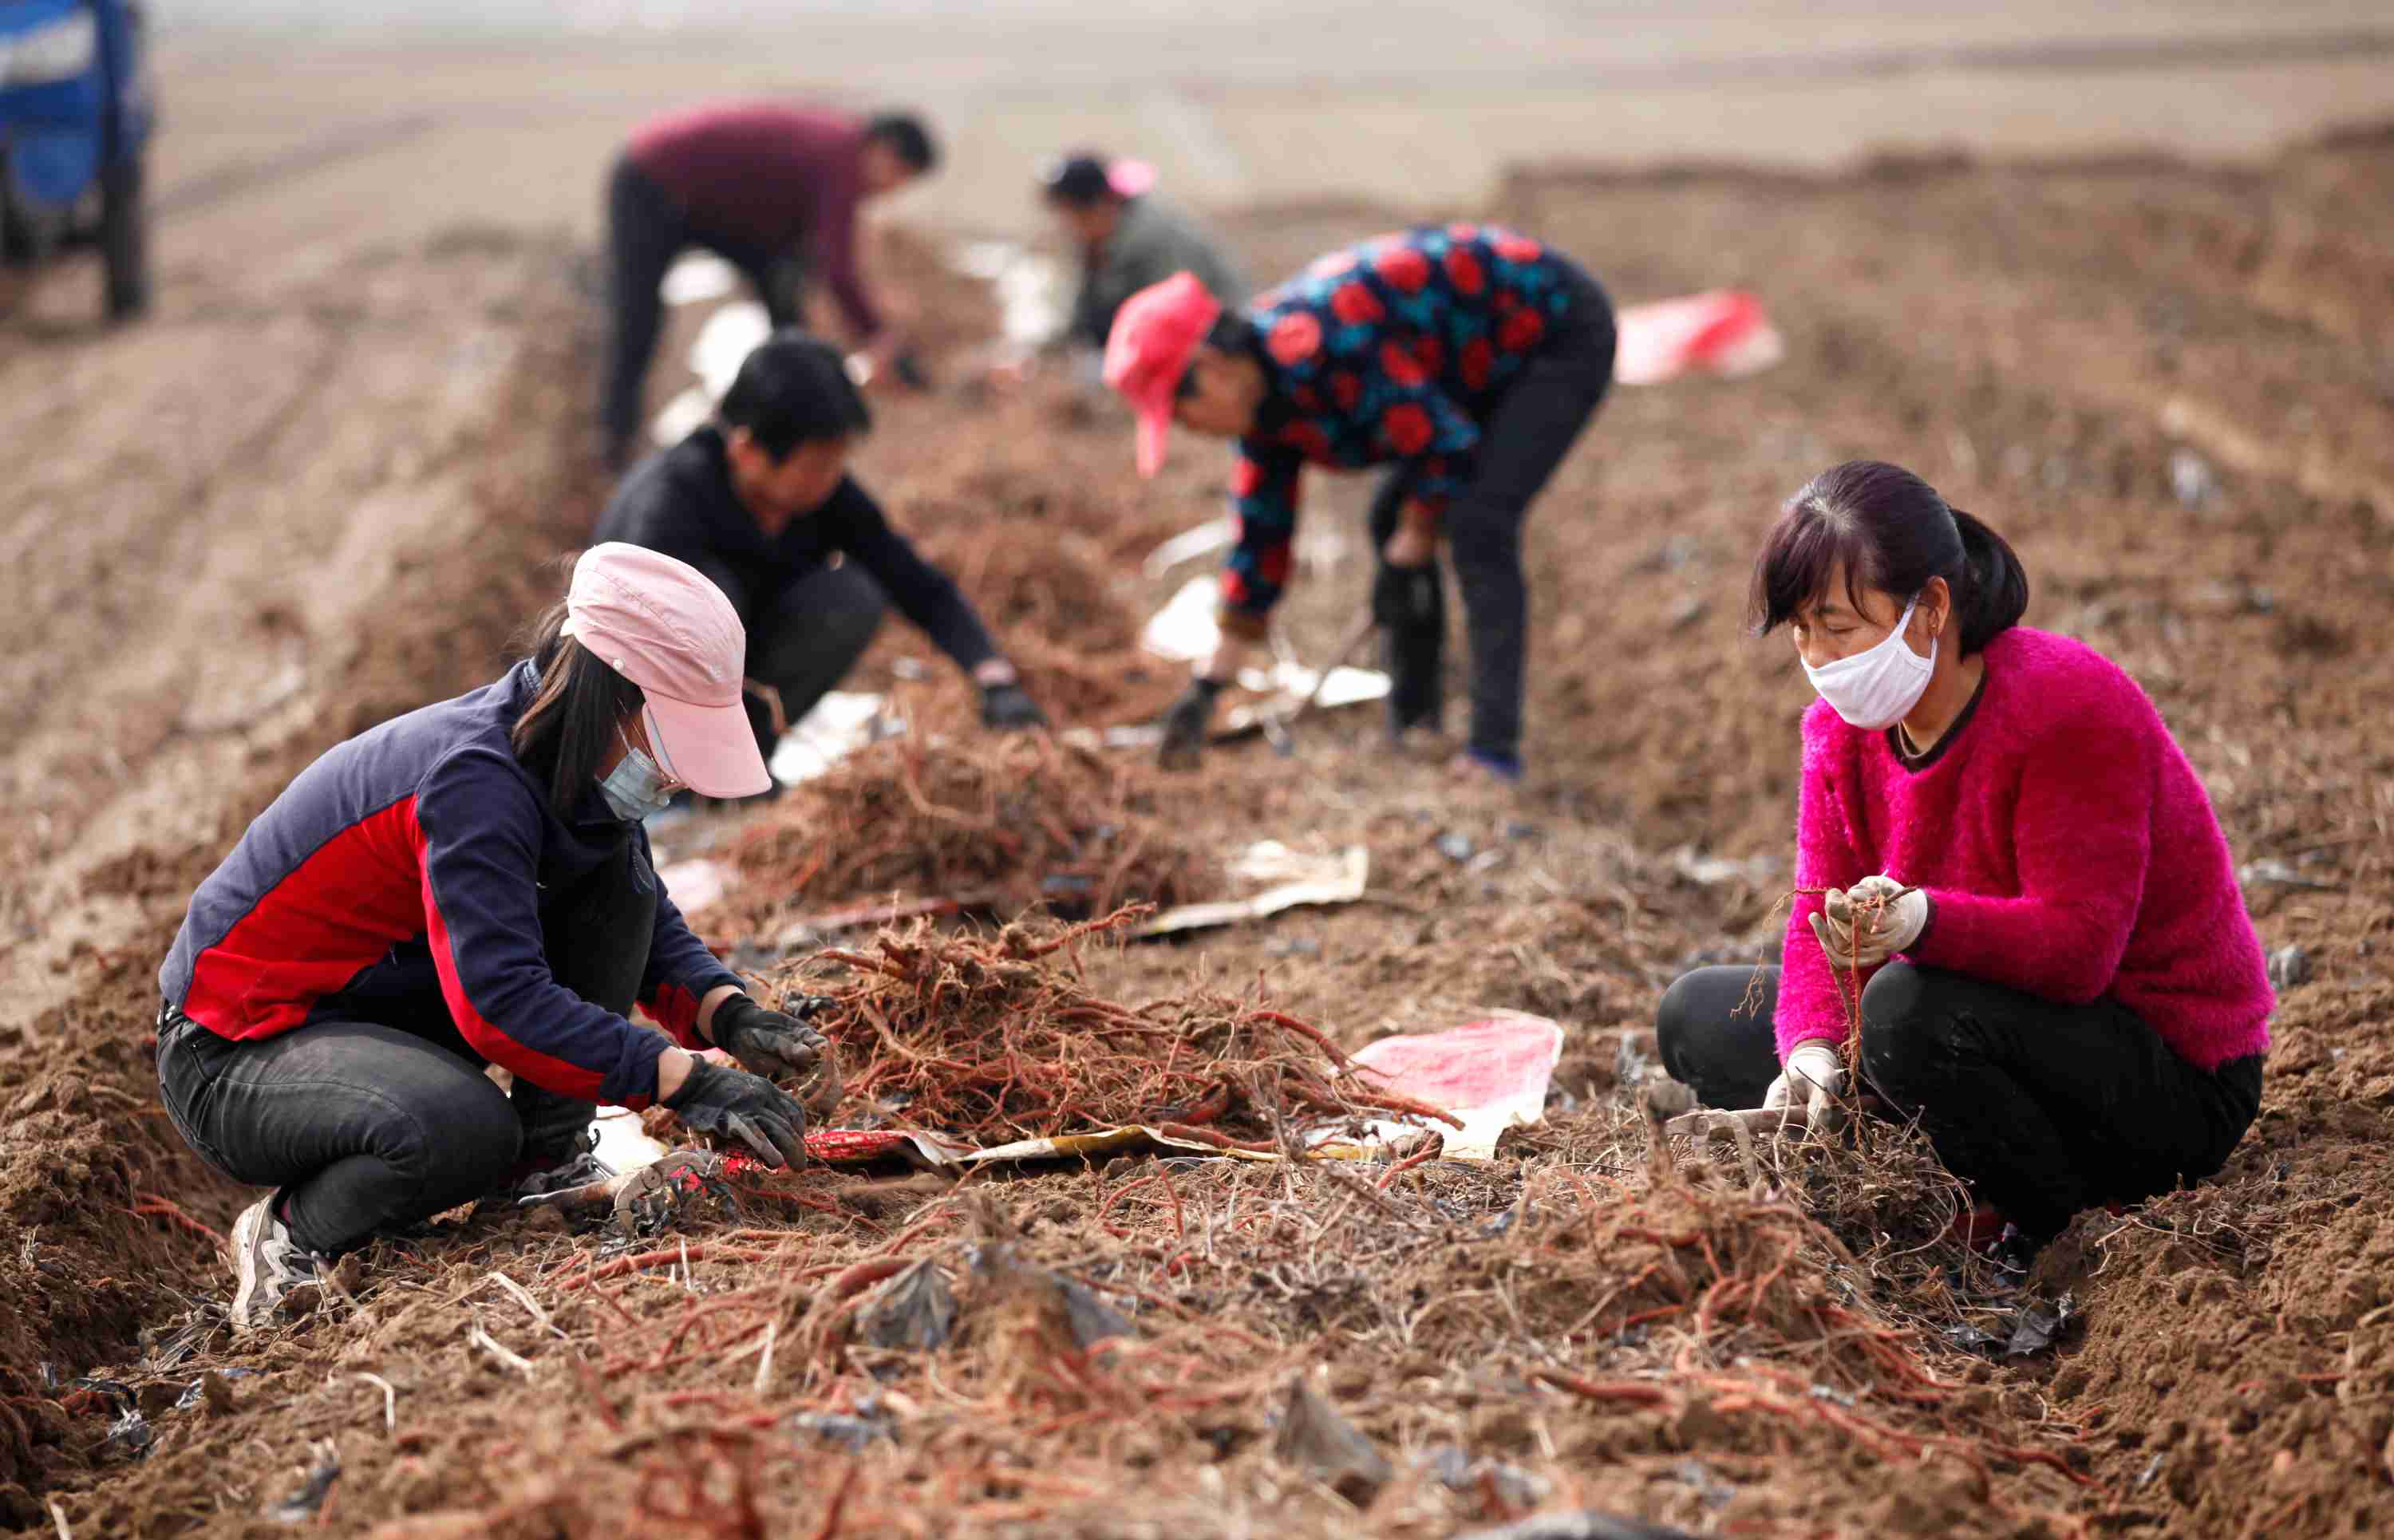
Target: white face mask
1876 689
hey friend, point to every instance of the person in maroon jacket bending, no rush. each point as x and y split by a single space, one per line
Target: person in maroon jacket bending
773 190
468 885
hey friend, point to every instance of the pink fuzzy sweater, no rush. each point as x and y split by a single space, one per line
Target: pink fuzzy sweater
2068 845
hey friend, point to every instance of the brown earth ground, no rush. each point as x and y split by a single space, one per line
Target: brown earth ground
2168 385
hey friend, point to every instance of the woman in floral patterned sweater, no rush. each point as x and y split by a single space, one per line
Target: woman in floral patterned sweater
1466 357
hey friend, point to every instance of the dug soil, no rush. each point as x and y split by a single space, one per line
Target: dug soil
2168 386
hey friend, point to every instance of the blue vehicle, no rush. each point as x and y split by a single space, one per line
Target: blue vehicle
75 116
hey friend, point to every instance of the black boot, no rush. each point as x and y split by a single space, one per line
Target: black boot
1410 604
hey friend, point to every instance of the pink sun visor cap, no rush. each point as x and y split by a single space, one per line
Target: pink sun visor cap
663 625
1156 333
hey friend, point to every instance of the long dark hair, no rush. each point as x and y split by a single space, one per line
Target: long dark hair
575 715
1889 530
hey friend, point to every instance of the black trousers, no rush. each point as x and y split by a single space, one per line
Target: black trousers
2045 1109
804 638
376 1113
1522 441
645 232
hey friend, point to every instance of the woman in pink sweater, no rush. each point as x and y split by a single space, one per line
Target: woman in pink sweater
2001 842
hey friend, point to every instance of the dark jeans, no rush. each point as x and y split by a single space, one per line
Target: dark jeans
1522 440
2045 1109
645 232
804 638
376 1113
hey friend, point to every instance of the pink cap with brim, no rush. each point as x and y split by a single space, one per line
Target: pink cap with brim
663 625
1156 333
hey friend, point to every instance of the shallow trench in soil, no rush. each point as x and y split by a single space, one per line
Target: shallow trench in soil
2164 384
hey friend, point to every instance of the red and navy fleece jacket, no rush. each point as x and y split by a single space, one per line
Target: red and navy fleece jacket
411 860
1394 350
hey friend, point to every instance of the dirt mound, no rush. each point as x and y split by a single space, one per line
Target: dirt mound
113 1223
2163 383
1027 507
1000 824
860 1355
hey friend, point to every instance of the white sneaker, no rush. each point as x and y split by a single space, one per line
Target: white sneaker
267 1265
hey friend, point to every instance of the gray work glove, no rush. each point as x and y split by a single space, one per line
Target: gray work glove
1855 937
735 1104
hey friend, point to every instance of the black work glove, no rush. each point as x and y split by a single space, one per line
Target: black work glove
1405 599
769 1042
735 1104
1008 708
1185 723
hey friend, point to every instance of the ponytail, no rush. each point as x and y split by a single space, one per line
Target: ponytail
1885 528
1994 595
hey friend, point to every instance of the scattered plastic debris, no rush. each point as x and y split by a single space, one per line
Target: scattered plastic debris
1093 1320
834 727
1710 1490
1314 1437
2290 968
697 278
2192 479
1722 331
1490 1074
1582 1525
1294 878
1191 544
1711 871
1033 291
2032 1329
303 1505
915 1310
854 1434
1512 1487
2038 1327
2269 870
1185 630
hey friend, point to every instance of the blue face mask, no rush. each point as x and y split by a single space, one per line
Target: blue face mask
635 787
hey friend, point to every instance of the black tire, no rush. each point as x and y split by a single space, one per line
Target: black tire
124 240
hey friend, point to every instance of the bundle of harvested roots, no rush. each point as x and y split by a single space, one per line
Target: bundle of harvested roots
1000 822
1073 638
998 1038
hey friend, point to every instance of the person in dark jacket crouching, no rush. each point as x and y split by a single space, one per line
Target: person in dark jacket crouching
762 502
463 886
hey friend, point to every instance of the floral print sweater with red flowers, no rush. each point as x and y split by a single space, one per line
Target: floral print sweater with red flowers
1394 350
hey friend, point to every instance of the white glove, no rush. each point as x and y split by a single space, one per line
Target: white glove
1813 1078
1894 928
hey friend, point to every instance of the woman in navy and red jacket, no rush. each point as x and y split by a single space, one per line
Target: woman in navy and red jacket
1465 358
469 884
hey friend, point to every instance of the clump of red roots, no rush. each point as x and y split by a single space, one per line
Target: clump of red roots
996 822
999 1037
1075 639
